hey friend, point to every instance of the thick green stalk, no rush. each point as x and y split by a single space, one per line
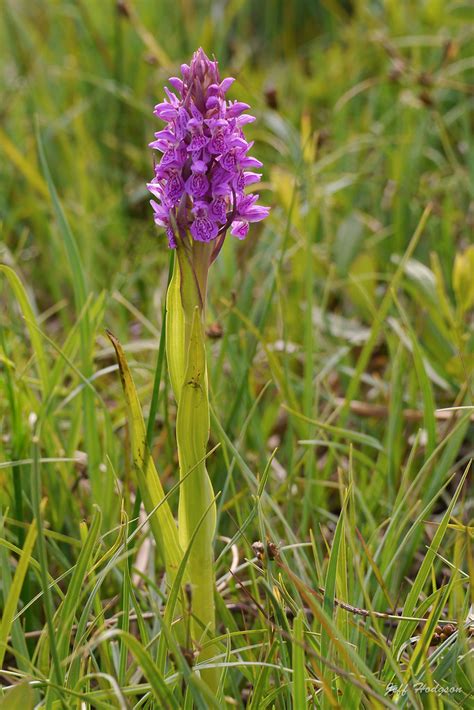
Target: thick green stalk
175 332
186 354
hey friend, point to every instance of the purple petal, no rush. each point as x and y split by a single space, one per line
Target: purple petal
240 229
226 84
159 145
198 141
165 111
155 190
218 208
176 83
229 161
197 185
249 162
173 99
212 102
251 178
197 115
199 166
236 108
171 238
174 187
257 213
160 215
204 229
218 143
244 119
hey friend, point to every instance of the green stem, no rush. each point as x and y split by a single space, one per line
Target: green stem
186 355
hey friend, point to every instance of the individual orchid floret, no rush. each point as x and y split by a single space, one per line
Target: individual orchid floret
201 179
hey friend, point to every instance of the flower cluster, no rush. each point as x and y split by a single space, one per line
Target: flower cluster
200 181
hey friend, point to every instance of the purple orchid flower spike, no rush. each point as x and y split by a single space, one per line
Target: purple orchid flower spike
200 192
200 181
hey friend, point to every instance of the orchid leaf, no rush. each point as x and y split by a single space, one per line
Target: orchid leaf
175 332
196 492
192 434
161 518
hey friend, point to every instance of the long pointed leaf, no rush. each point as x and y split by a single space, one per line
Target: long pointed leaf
175 333
196 493
161 521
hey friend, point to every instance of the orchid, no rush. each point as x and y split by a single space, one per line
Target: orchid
199 192
205 167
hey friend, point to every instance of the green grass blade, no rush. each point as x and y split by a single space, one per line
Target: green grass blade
382 314
425 384
67 610
161 692
405 628
298 663
11 602
86 335
29 316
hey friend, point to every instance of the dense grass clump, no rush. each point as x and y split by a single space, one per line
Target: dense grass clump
340 348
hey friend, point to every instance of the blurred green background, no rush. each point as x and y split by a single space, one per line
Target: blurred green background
364 119
365 104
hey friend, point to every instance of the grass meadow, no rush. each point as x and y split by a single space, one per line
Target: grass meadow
340 349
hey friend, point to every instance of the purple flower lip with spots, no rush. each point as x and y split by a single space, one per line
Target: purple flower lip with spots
201 179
